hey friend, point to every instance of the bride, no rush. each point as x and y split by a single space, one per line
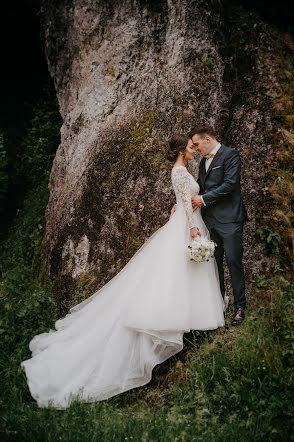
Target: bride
110 342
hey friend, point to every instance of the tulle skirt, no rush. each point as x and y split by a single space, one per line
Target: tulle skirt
110 342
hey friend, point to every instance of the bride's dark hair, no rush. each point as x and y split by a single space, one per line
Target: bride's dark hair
177 143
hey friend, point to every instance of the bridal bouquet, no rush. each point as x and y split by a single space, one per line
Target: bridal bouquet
201 249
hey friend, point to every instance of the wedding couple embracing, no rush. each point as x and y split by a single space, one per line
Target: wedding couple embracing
110 342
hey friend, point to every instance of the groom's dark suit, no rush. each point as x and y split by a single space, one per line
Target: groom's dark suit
224 214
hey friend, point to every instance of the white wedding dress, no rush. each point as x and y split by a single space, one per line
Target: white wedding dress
110 342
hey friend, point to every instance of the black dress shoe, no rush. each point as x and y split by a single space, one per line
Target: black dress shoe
239 316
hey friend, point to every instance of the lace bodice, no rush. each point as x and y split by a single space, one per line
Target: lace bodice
185 187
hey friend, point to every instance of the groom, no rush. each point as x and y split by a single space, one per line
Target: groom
222 208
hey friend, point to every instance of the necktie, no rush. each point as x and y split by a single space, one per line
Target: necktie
208 156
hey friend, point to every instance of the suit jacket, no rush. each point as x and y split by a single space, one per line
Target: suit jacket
220 187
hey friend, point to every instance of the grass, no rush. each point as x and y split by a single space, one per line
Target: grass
233 383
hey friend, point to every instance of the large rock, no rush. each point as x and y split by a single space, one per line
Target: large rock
128 75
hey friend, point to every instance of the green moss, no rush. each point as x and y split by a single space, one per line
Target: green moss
209 63
180 98
86 284
145 142
139 135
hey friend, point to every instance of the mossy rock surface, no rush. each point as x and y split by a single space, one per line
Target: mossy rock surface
129 77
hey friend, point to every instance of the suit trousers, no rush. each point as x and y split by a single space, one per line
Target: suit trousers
228 237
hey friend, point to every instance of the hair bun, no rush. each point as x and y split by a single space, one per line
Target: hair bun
171 155
177 143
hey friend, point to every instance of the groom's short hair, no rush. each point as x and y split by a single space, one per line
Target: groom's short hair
202 130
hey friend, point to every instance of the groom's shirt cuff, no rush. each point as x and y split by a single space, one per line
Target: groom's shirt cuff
203 201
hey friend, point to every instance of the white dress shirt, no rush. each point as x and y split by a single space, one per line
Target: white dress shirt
208 162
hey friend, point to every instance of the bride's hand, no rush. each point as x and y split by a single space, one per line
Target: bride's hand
173 211
194 232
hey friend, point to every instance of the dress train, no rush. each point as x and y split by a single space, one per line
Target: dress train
110 342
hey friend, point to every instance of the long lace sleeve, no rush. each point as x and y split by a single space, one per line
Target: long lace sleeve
181 183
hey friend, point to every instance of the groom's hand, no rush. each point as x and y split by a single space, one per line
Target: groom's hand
194 232
173 211
196 202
